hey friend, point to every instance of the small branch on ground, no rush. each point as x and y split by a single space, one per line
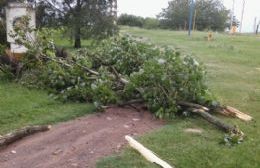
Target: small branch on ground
192 105
19 134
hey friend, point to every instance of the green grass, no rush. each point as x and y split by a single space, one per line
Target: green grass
232 63
62 39
20 107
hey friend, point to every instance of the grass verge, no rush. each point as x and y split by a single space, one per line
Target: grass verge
20 107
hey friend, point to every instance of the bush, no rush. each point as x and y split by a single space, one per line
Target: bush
151 23
130 20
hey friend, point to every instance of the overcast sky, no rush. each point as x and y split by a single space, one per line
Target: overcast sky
150 8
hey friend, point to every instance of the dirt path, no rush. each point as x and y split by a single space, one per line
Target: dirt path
78 143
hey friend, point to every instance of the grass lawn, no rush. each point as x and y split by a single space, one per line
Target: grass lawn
233 64
20 107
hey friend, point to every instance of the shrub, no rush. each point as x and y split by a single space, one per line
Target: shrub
130 20
151 23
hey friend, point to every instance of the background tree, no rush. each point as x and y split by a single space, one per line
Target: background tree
46 15
211 14
88 18
175 16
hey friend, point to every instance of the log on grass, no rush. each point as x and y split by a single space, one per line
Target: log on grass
19 134
216 121
148 154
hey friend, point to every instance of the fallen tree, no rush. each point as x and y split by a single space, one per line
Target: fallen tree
120 70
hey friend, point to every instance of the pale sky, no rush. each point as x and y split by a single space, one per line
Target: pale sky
150 8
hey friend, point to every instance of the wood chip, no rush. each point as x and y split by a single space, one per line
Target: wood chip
57 152
193 130
109 118
13 152
136 119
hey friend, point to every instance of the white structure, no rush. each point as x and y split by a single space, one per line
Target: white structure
14 12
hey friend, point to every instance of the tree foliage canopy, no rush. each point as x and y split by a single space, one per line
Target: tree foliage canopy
210 14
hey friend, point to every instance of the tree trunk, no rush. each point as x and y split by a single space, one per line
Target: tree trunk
77 22
216 121
77 43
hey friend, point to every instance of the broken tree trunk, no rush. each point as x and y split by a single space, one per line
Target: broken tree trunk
216 121
238 114
233 112
19 134
148 154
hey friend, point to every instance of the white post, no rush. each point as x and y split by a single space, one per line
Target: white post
14 12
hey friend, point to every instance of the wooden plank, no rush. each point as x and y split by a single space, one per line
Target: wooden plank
148 154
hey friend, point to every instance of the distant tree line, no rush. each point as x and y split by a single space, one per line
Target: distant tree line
138 21
210 14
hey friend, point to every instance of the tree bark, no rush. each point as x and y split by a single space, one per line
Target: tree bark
77 17
19 134
216 121
77 43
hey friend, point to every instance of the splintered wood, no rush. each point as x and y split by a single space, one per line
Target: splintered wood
233 112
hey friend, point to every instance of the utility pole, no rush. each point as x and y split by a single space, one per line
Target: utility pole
242 16
191 16
257 27
232 16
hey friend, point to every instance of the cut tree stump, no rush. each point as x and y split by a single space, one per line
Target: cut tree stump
148 154
19 134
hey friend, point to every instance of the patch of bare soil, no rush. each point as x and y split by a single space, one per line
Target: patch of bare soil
78 143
